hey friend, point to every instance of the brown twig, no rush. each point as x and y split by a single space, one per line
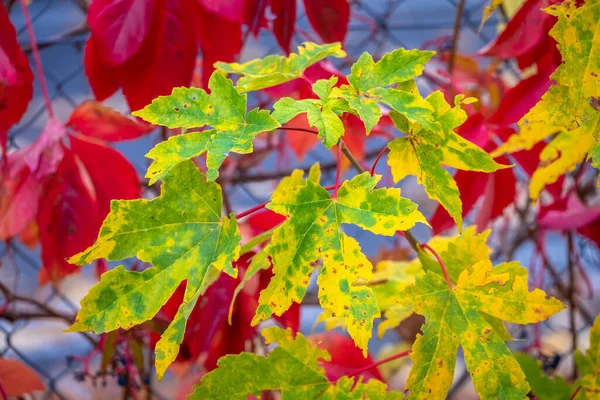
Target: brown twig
456 35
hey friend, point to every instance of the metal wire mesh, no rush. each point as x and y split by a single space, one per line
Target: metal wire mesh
376 27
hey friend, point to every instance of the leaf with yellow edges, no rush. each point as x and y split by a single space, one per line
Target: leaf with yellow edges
224 109
422 151
470 315
369 81
566 109
312 231
182 234
274 70
291 368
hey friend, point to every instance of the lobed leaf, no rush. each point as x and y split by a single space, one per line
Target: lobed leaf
470 315
274 70
181 233
292 368
312 230
322 114
422 152
224 109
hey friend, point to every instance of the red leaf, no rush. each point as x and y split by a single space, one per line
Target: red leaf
208 26
98 121
67 218
525 33
19 197
119 27
284 22
248 12
566 214
517 101
329 18
21 183
263 221
103 78
17 379
113 177
16 78
165 59
346 358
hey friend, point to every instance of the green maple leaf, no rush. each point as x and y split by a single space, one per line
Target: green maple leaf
368 87
292 368
274 70
322 113
588 366
543 386
470 315
422 151
182 234
566 109
224 109
312 231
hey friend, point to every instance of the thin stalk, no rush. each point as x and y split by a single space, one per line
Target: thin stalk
251 210
338 171
380 362
383 151
456 35
351 158
36 58
440 261
572 309
575 393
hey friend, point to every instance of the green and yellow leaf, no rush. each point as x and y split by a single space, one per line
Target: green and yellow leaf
422 152
224 109
274 70
566 109
182 234
369 83
322 113
470 315
312 231
291 368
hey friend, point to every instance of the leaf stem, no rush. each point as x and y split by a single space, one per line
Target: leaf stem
383 151
293 128
36 58
440 261
455 36
263 205
351 158
575 393
338 170
251 210
380 362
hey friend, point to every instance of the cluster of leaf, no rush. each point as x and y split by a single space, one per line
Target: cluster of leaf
569 113
184 236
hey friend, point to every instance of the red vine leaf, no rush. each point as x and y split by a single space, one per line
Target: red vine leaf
329 18
16 78
101 122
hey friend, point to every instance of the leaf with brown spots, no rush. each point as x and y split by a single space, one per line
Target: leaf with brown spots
182 234
460 316
313 230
